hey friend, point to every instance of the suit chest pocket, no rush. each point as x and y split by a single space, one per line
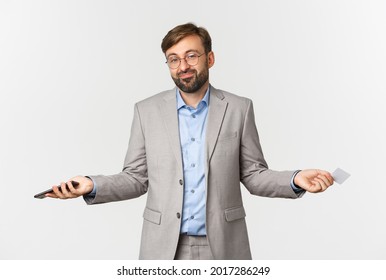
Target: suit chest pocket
227 144
227 136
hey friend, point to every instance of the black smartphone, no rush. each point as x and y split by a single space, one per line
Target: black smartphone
42 194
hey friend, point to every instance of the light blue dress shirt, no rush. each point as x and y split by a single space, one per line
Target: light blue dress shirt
192 126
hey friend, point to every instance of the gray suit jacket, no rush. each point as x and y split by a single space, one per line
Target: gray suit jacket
153 165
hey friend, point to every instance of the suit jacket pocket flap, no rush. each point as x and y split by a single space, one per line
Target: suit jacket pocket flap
152 216
232 214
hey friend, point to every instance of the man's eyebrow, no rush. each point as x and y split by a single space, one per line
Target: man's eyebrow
191 50
171 54
188 51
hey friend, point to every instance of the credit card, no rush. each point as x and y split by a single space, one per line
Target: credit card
340 176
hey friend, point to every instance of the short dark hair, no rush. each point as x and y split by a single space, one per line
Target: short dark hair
181 31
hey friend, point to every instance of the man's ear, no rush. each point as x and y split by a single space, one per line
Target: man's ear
211 59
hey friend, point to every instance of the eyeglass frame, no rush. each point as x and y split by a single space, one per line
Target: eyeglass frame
179 59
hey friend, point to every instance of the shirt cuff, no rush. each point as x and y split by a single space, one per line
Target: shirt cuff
296 188
92 194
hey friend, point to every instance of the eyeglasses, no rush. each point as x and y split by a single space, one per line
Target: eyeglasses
174 61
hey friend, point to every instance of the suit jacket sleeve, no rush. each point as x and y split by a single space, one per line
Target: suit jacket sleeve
254 172
132 182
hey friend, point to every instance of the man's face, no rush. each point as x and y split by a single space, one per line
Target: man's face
188 78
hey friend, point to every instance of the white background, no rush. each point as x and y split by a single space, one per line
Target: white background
71 71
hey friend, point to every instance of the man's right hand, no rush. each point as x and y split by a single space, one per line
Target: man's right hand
68 191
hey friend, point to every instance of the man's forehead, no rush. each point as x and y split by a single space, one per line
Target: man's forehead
187 44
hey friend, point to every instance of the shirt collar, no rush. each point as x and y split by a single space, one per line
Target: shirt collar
181 103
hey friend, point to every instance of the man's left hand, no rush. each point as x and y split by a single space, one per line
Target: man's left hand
313 180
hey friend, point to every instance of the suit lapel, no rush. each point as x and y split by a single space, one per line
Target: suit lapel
216 113
170 117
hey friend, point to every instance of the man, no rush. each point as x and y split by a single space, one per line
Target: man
189 149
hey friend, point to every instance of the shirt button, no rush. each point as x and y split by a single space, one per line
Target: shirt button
178 215
181 182
192 217
192 191
192 165
193 139
193 116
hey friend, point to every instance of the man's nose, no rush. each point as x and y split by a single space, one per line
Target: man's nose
184 65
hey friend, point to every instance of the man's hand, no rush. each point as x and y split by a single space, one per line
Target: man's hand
85 186
313 180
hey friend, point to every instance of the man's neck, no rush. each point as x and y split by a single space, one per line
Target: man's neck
192 99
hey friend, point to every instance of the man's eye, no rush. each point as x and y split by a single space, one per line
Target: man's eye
173 60
191 56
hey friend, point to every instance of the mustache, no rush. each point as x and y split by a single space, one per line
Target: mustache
190 71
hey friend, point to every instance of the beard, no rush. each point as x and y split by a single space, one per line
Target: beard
193 84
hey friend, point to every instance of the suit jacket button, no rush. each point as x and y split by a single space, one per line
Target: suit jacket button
178 215
181 182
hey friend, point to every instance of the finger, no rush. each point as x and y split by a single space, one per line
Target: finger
325 180
327 175
316 187
64 190
57 192
322 185
74 192
51 194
